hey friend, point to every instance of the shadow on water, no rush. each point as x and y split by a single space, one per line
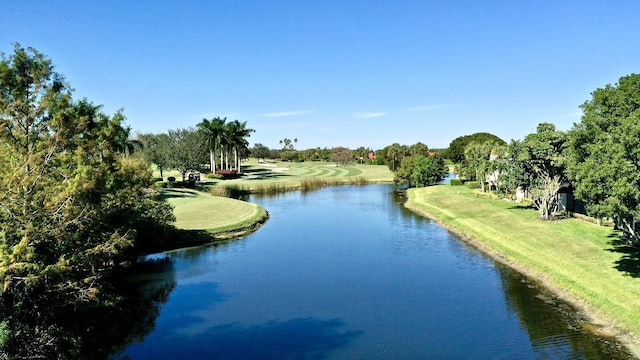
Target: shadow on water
304 338
94 331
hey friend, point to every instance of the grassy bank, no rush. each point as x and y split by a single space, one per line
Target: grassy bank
219 216
268 177
579 261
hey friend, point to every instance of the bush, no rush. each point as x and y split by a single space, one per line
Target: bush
171 179
212 176
472 184
456 182
161 184
228 174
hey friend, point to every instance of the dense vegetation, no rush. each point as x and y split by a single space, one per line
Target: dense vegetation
74 209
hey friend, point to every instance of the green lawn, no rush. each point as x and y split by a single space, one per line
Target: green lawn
576 259
290 174
197 210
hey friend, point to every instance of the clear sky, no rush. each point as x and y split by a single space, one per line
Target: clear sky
335 72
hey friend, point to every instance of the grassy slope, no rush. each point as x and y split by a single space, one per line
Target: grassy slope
196 210
573 258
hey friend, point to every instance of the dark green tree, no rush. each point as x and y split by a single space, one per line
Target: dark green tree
156 150
73 211
260 151
604 154
456 149
341 155
188 150
537 164
428 171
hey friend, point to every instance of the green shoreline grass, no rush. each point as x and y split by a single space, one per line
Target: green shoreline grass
220 217
572 258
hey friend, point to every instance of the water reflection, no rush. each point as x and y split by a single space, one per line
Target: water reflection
345 273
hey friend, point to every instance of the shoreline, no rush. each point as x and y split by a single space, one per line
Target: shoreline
595 322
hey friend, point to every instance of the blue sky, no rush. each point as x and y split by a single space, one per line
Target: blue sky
336 72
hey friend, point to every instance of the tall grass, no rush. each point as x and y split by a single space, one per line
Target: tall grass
236 191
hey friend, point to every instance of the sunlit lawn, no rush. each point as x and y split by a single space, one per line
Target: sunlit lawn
289 174
574 257
197 210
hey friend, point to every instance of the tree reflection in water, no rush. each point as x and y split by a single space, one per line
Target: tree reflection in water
57 330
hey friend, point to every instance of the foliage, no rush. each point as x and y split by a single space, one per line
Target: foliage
428 171
472 184
456 182
393 155
483 160
456 149
156 150
188 150
537 164
73 211
260 151
214 176
213 131
604 154
404 173
341 155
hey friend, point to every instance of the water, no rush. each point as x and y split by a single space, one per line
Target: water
348 273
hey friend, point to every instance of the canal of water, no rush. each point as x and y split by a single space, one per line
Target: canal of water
349 273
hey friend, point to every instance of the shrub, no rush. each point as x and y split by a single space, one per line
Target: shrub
456 182
472 184
171 179
228 174
212 176
161 184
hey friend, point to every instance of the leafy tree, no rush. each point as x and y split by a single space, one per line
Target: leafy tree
394 154
404 172
156 150
72 211
428 171
456 149
418 149
188 150
260 151
420 171
483 159
341 155
604 154
537 164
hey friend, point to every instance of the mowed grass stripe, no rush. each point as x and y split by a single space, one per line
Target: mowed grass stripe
572 257
195 210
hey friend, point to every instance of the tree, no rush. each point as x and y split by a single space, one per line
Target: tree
404 172
428 171
482 159
341 155
187 150
455 151
72 211
156 150
604 154
260 151
418 149
394 154
213 130
537 164
237 133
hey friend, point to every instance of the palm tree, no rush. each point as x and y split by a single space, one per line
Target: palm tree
213 130
236 133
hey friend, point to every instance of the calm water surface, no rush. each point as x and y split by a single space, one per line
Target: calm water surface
348 273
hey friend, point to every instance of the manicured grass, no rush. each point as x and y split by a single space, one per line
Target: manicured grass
576 259
197 210
289 175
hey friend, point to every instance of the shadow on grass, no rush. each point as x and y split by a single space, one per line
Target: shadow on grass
521 207
629 262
